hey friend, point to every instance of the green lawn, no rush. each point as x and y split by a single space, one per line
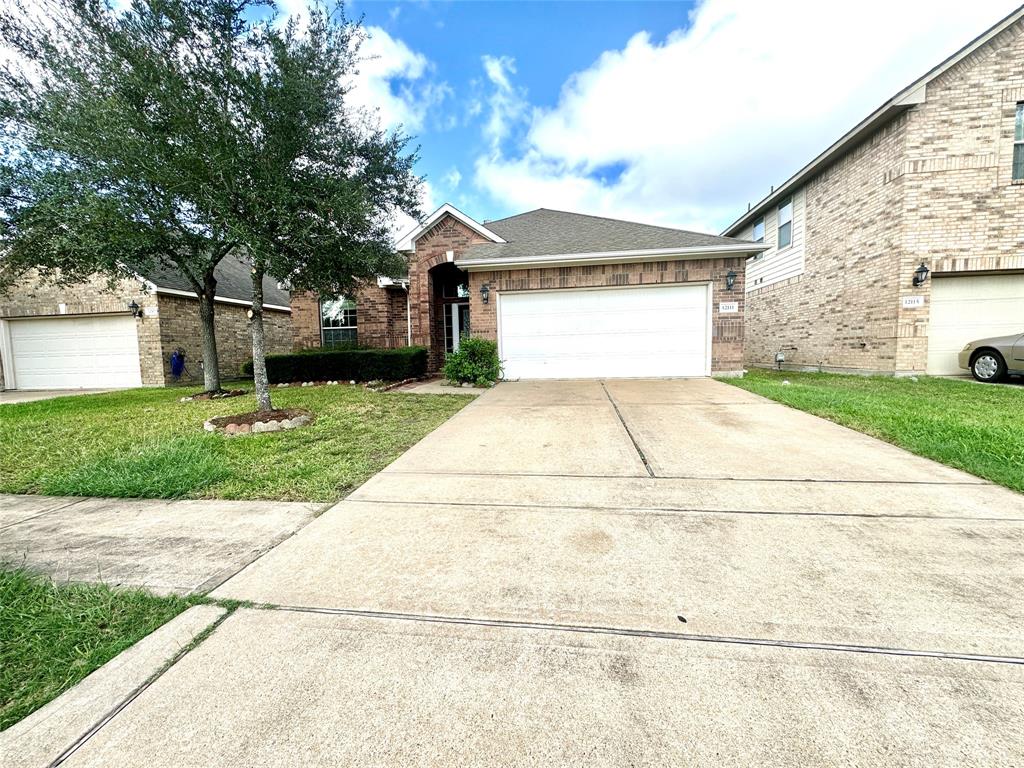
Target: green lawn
145 443
53 636
975 427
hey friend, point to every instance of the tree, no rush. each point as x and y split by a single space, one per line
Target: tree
320 180
121 140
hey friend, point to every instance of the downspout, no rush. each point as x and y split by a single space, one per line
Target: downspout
408 319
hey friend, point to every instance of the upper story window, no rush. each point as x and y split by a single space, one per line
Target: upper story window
785 223
759 230
337 322
1018 144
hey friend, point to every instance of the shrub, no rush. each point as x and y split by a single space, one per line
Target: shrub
345 365
476 362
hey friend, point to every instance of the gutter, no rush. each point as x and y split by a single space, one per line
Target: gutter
613 257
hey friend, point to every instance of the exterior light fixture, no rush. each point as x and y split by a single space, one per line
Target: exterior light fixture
920 275
730 280
485 293
135 309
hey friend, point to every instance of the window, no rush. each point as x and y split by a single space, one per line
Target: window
785 223
1018 144
338 322
759 230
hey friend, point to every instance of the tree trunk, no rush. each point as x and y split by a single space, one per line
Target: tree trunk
211 366
259 344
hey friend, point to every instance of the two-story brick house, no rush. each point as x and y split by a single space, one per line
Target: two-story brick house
935 176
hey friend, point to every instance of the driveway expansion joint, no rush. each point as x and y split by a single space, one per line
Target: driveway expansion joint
632 439
139 690
648 634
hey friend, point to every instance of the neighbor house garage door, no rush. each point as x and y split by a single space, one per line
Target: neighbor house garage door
971 307
605 333
75 352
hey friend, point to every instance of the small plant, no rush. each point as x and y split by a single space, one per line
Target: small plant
475 362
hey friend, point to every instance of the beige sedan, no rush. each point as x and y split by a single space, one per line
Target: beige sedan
990 360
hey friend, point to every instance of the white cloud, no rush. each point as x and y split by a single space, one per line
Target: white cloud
452 179
507 103
396 82
686 131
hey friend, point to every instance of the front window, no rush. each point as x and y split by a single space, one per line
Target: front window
759 230
338 322
1018 144
785 223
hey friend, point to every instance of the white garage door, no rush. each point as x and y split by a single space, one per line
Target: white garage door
75 352
605 333
968 308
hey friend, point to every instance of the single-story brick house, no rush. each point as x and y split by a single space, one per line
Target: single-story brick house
932 180
86 335
565 296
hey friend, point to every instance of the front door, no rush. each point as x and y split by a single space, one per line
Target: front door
456 325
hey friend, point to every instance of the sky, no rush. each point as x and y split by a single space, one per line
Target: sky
672 113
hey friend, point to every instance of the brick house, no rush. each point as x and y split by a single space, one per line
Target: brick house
564 295
86 336
934 177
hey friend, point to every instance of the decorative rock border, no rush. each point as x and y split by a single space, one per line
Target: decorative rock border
222 395
252 423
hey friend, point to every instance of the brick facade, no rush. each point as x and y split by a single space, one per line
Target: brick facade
933 185
726 330
167 322
380 318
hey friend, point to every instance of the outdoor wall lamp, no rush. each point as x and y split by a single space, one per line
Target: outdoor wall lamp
135 309
730 280
485 293
920 275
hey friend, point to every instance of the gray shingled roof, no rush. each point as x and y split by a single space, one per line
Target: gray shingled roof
234 281
545 232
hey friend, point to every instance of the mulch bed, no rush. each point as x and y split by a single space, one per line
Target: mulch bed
260 421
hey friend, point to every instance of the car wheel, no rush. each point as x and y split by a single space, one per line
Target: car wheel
988 367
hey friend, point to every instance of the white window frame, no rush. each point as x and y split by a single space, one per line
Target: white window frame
779 223
354 327
1018 143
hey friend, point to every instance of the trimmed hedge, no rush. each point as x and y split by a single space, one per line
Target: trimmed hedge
345 365
476 362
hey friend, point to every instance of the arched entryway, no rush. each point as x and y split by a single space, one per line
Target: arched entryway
449 297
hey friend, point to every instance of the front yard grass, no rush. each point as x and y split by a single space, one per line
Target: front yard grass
144 443
54 635
974 427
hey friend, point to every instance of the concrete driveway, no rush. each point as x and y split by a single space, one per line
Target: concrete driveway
628 572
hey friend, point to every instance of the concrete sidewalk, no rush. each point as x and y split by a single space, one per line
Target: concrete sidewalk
628 572
165 546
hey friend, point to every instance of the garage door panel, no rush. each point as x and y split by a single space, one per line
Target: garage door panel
75 352
607 333
971 307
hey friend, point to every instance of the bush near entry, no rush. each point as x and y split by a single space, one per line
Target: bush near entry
475 362
345 365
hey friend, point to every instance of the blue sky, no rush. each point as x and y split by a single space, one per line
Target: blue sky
676 113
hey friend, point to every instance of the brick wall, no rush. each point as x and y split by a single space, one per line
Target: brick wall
175 324
380 318
181 327
448 234
97 296
726 330
932 185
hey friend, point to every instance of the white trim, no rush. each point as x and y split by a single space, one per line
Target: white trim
7 357
217 299
915 93
651 254
408 242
